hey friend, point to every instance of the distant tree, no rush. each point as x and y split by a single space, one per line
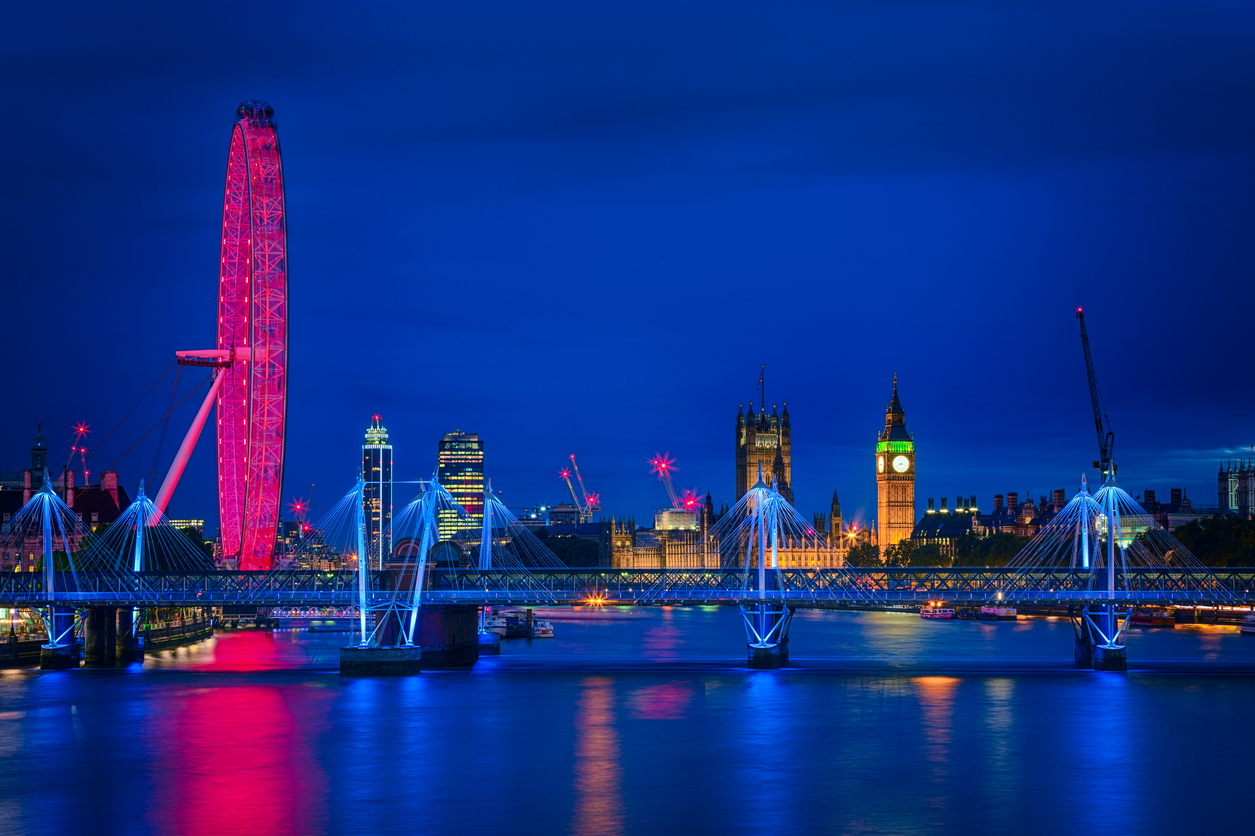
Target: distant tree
966 550
199 541
899 554
60 562
864 554
998 549
1220 540
928 555
574 552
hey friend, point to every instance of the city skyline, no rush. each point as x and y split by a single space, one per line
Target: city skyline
381 481
946 243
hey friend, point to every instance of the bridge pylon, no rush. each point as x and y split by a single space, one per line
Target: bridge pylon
45 526
752 536
1098 555
405 634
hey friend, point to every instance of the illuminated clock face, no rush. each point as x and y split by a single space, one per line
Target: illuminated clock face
880 463
901 463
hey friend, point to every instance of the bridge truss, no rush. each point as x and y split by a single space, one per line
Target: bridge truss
851 588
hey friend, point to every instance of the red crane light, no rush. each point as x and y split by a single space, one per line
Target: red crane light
662 463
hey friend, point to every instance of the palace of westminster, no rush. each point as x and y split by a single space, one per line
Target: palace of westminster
764 445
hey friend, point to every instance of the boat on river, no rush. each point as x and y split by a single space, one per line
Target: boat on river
515 625
1152 618
933 611
1248 625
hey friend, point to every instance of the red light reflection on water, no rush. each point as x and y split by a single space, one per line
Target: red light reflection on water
233 759
236 755
245 651
669 701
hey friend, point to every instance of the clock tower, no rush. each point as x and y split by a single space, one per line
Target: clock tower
895 477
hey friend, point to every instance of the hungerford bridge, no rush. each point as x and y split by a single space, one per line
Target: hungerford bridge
1100 556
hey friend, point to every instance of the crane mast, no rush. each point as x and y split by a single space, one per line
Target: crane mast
1106 442
580 507
662 465
592 501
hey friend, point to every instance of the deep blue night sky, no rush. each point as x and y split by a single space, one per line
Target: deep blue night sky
581 227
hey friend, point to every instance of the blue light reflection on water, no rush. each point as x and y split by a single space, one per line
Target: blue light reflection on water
644 721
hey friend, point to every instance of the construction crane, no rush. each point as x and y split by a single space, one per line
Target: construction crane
81 430
592 501
662 464
1106 442
584 507
300 508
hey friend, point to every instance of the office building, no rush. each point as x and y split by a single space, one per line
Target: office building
460 470
377 492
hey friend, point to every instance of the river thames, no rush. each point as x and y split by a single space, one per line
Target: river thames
646 721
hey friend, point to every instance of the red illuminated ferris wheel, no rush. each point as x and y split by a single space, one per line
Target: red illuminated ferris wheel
251 359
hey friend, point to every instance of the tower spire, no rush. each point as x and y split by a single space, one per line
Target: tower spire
762 390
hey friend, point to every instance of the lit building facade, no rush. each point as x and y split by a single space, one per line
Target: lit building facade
833 527
460 470
895 476
1236 484
377 492
624 546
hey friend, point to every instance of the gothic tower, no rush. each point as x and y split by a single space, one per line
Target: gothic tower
764 440
895 477
836 529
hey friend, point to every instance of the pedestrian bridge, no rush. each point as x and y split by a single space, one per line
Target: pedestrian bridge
853 588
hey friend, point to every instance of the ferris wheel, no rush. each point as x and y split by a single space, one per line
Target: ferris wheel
250 361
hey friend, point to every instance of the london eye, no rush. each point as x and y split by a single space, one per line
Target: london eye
250 360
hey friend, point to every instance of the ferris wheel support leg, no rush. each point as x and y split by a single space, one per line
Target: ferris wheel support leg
189 444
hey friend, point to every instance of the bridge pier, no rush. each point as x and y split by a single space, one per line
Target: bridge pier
449 636
61 652
380 661
100 634
767 635
130 647
1091 648
445 637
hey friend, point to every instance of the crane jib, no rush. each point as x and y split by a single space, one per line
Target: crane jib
1106 440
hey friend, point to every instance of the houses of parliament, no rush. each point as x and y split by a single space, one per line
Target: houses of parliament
764 440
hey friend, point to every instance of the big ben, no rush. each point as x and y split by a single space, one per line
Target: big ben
895 477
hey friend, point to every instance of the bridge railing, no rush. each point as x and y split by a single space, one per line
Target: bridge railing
804 587
269 588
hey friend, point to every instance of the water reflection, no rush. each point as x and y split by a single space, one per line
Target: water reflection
1003 766
662 643
544 739
233 760
668 701
598 794
936 696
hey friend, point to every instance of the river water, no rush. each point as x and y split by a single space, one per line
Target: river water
646 721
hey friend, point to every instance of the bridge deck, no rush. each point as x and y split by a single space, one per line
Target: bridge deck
854 588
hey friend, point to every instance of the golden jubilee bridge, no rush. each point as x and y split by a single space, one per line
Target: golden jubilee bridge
849 588
1100 557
